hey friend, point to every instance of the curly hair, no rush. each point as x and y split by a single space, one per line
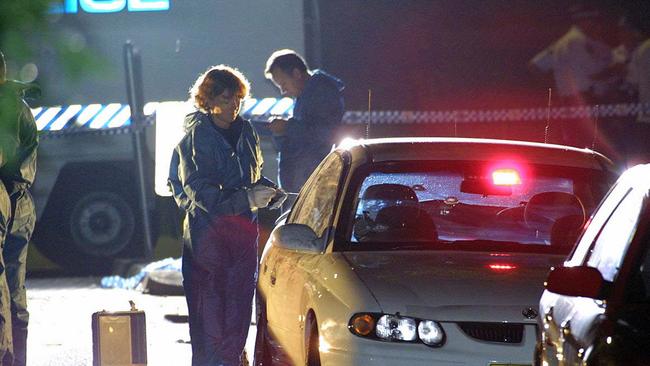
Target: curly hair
214 82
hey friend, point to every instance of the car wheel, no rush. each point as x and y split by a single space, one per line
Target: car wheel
313 354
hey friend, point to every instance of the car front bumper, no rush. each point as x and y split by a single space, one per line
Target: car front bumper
459 349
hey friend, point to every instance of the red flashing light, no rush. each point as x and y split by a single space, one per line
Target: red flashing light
501 267
506 177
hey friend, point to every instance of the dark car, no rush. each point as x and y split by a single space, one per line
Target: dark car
596 307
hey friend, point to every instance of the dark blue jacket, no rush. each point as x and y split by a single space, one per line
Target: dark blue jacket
214 176
312 130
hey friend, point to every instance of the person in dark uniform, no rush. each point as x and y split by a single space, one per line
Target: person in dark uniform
307 137
217 178
18 174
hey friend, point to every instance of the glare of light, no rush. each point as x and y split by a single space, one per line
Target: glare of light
102 6
247 104
263 106
609 340
348 142
282 106
501 267
505 177
61 121
149 108
170 117
46 117
323 346
148 5
29 72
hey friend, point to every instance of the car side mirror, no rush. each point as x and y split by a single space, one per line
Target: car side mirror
577 281
297 237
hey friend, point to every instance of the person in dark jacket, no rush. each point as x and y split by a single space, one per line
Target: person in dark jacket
219 183
306 138
17 175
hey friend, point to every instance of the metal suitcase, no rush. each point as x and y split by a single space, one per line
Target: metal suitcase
119 338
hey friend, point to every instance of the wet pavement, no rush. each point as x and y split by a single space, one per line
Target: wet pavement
60 331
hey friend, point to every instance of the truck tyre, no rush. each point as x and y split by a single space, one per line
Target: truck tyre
101 224
90 221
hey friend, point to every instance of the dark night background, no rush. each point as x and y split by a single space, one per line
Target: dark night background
412 54
426 54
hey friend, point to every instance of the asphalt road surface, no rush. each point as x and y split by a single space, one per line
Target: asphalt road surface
60 322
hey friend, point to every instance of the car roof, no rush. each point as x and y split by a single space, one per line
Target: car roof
636 176
452 148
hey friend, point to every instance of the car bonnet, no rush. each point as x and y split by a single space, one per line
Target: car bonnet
455 286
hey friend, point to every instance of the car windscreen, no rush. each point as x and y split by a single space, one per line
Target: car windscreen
469 205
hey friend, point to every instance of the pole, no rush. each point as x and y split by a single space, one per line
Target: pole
134 90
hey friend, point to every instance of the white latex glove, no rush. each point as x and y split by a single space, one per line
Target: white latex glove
278 199
259 196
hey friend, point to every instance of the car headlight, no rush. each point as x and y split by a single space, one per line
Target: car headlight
396 328
389 327
431 333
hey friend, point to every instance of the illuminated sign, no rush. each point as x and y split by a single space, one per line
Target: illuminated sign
109 6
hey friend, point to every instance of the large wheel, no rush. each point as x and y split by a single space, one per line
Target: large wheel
90 220
101 224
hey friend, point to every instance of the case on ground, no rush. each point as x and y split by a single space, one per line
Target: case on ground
119 338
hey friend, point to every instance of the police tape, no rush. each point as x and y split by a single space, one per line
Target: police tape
620 110
115 116
78 118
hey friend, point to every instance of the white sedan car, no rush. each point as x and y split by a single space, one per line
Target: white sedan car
429 251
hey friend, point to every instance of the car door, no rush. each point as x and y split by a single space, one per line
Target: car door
571 321
295 269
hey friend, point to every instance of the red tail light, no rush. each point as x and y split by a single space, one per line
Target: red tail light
505 177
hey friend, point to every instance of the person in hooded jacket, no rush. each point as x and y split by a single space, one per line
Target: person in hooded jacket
307 137
19 137
216 177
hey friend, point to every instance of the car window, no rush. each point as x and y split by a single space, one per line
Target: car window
315 206
604 211
452 203
612 242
